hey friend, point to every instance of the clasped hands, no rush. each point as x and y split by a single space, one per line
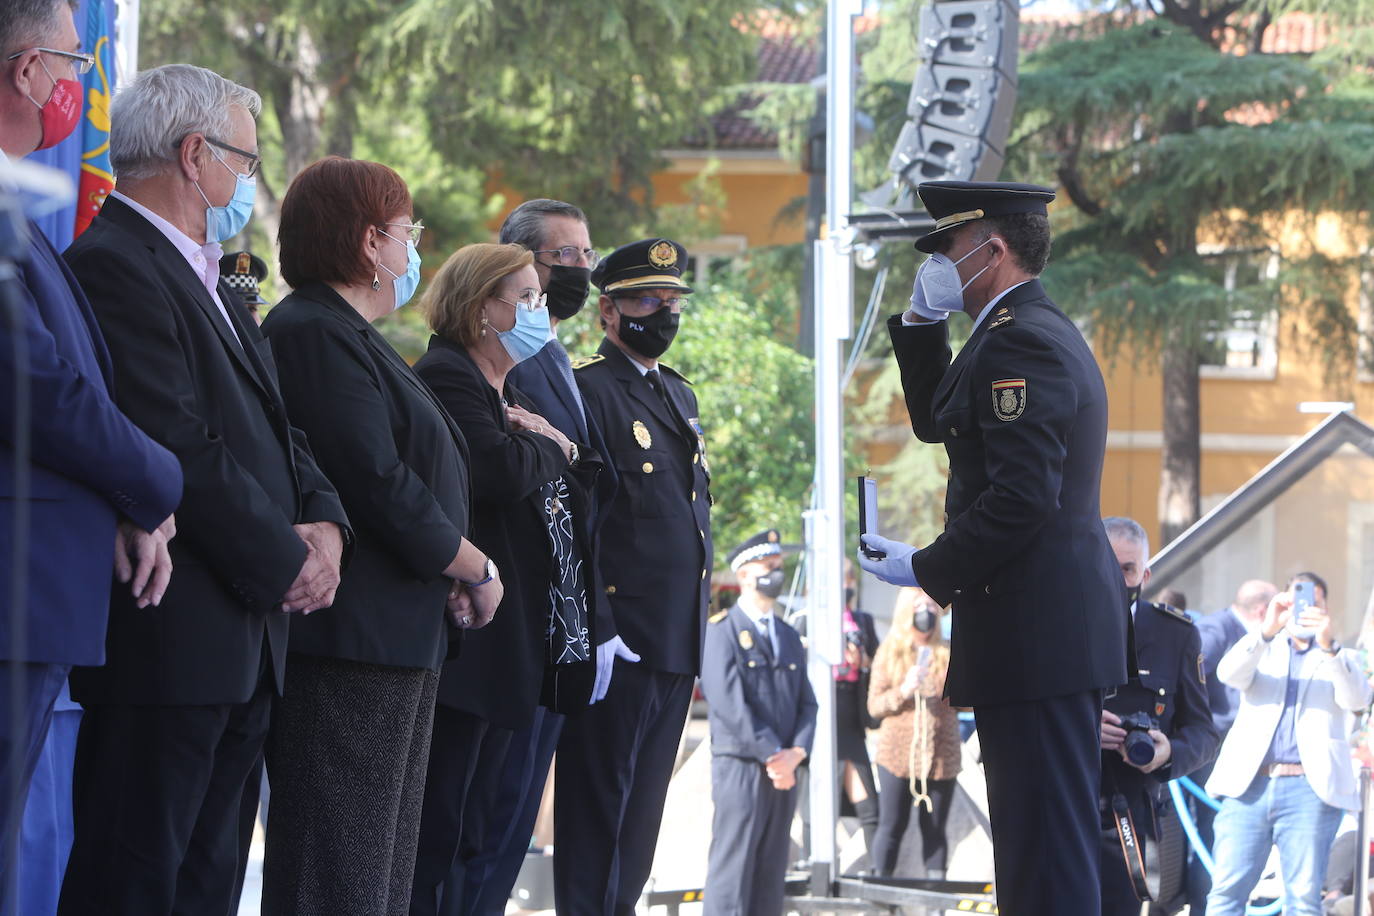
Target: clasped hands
318 579
142 560
782 767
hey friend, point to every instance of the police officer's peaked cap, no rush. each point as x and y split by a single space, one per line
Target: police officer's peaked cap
764 544
646 264
953 203
243 271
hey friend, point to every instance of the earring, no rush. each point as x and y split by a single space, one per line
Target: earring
483 331
376 283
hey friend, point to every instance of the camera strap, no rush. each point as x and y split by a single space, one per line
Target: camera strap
1132 841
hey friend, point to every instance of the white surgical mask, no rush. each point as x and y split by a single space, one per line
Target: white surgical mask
938 280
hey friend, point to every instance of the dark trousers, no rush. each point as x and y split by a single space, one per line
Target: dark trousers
465 758
514 807
894 814
613 766
27 694
1199 878
1043 768
347 757
157 794
750 831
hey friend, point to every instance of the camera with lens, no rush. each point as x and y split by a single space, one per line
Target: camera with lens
1139 746
854 638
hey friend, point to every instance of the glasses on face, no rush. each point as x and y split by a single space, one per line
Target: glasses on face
530 300
647 305
252 159
413 230
81 61
568 255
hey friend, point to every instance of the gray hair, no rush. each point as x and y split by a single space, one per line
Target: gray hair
525 224
1127 529
28 22
161 107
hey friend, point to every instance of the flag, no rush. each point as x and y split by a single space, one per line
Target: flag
97 177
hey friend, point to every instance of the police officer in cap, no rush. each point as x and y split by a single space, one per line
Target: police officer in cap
1039 612
1171 693
243 271
762 717
615 758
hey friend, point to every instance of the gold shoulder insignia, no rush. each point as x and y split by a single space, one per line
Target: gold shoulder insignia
1170 611
585 361
673 372
718 616
1004 314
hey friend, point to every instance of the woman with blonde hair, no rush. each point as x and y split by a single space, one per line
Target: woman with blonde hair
529 486
918 740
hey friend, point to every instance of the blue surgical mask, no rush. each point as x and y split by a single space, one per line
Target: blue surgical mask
403 285
223 223
529 335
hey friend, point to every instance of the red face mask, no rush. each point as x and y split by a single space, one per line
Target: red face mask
61 113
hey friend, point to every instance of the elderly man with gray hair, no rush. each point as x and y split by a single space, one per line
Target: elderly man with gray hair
176 719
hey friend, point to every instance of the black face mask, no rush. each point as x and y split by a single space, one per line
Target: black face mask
924 620
649 337
567 290
770 584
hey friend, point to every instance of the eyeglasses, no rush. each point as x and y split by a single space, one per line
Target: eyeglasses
530 300
413 230
568 255
647 305
252 158
81 61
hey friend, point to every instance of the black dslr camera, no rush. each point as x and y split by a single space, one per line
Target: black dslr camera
1140 747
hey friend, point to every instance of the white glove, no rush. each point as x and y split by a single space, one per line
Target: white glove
920 307
606 654
895 568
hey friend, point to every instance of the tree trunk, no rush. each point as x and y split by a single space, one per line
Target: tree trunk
1180 474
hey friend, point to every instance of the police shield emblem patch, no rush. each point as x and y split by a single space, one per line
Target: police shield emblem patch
1009 398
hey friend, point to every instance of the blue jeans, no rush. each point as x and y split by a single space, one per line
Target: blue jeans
1282 811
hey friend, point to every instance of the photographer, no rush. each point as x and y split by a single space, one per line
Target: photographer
1285 774
1156 728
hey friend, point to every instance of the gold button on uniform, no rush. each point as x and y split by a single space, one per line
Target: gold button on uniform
696 459
610 589
648 467
694 496
954 432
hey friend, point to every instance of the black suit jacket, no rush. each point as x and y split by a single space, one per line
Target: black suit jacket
249 476
1170 689
499 674
1219 632
1039 606
400 465
656 537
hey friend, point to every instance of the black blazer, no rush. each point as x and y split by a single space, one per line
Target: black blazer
1039 605
499 674
656 537
400 465
249 476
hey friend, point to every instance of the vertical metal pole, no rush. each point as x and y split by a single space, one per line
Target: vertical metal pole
834 286
126 41
1362 847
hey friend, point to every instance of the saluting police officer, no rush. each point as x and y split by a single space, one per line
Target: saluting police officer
1172 690
616 757
1039 611
762 717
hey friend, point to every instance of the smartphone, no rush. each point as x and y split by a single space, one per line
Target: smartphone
1304 598
868 515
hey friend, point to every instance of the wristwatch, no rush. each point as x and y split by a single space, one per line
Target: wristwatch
573 453
489 569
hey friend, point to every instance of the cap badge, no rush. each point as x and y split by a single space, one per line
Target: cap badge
773 537
1009 398
243 263
642 434
663 254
